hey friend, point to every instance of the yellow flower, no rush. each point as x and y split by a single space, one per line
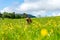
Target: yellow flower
2 38
5 27
2 32
54 23
10 28
25 27
44 32
51 31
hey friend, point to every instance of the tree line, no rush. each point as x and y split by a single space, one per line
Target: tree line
14 15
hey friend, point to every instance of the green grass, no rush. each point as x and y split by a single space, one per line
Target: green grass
18 29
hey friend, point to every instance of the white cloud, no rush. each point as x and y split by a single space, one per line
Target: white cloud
11 8
37 13
55 14
37 7
40 5
7 9
28 7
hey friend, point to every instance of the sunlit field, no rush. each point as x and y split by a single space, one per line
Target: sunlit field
47 28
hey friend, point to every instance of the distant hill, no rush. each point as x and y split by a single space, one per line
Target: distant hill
29 15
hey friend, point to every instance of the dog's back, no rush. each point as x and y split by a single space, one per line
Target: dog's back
29 20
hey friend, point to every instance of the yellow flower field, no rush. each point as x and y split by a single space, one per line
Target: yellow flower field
47 28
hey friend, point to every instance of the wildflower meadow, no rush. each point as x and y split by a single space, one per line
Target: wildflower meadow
46 28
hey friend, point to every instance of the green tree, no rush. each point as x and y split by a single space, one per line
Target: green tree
0 15
17 16
24 15
13 15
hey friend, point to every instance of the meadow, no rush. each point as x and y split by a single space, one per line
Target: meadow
46 28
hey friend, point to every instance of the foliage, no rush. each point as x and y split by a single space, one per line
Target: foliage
14 15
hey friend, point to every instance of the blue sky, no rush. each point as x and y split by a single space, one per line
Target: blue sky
5 3
34 7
